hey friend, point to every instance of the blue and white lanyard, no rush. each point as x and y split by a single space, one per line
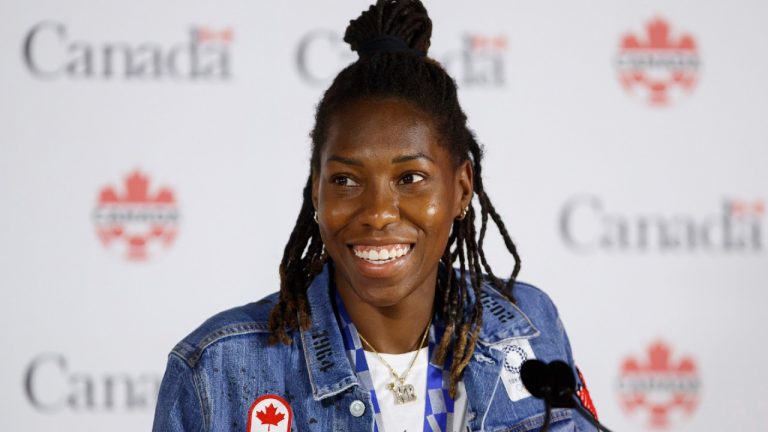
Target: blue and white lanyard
438 404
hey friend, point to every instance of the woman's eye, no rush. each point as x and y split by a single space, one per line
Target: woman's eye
344 181
411 178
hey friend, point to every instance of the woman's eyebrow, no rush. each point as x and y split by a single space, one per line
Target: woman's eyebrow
344 160
410 157
398 159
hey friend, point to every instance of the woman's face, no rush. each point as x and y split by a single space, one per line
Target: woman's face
386 195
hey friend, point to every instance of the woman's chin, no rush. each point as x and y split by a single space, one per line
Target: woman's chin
382 297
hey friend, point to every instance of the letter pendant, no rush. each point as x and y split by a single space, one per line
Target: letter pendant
404 393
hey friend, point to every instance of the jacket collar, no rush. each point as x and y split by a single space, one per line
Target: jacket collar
502 320
330 371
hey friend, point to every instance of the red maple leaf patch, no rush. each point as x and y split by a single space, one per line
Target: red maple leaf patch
269 416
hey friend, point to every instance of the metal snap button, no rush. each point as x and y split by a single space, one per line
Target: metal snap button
357 408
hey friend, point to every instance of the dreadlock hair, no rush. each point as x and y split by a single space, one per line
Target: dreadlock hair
411 76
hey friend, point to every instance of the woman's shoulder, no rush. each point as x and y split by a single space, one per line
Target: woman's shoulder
248 319
531 296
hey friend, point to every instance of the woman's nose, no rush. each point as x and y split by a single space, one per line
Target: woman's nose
381 206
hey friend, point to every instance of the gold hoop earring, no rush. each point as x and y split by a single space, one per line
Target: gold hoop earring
463 214
315 218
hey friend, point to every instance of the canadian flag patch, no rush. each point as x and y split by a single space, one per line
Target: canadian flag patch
269 413
583 394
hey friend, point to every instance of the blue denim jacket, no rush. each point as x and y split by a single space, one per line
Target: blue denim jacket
214 374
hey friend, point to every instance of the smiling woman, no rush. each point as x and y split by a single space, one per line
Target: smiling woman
373 328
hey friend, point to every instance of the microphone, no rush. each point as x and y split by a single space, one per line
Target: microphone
556 385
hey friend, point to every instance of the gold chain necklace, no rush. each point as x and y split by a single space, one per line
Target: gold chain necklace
403 392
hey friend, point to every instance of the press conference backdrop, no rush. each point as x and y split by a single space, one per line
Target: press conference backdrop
152 156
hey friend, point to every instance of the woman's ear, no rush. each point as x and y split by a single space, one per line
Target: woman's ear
464 185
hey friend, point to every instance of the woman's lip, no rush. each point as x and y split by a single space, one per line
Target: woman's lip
362 247
383 268
376 243
378 254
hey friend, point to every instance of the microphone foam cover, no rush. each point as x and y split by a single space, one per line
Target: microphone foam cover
535 376
563 384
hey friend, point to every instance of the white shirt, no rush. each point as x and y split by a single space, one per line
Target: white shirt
408 417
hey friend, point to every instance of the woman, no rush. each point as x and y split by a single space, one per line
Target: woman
373 328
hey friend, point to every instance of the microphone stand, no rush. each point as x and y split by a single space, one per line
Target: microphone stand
568 394
576 405
586 414
547 415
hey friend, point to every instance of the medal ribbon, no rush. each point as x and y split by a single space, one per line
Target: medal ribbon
438 404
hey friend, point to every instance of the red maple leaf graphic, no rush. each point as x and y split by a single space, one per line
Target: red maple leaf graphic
136 191
136 197
269 416
678 388
674 59
659 38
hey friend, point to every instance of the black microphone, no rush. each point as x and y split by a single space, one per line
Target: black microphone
556 385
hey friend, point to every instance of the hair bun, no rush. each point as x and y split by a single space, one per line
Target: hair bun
391 26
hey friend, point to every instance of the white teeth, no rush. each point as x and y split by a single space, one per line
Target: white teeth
382 255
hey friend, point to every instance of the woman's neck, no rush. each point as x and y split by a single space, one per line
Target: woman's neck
394 329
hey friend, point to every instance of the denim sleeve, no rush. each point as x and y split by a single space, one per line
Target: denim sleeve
178 405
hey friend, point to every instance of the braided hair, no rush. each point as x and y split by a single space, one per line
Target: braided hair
410 75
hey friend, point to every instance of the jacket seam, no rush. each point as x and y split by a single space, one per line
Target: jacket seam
231 330
195 384
493 395
203 400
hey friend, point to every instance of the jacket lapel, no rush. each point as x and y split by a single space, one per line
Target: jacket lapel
328 365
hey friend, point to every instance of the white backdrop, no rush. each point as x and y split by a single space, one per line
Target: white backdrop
152 155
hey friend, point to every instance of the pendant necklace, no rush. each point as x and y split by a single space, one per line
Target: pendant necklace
403 392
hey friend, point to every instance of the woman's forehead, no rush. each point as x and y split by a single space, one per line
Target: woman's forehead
370 128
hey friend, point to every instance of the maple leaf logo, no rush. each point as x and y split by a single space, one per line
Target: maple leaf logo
658 62
136 191
269 416
136 217
659 385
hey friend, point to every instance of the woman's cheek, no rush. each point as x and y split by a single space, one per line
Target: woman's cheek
427 214
336 213
431 210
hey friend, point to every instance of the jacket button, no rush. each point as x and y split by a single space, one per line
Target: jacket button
357 408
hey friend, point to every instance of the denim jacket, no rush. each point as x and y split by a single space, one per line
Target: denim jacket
215 374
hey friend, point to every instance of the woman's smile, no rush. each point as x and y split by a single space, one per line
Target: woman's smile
381 260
